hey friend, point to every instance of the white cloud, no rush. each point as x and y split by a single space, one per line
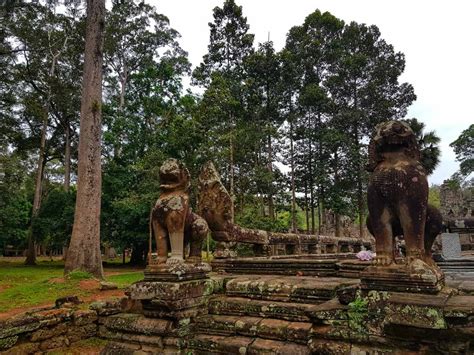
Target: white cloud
436 37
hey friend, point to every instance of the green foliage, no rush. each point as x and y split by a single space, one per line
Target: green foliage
429 145
79 275
358 314
433 196
464 148
311 106
252 217
53 224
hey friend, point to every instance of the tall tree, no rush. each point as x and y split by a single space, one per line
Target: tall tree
263 102
365 88
229 44
42 42
464 148
84 250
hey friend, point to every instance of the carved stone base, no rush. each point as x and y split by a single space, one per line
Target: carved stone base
225 250
416 277
175 291
176 272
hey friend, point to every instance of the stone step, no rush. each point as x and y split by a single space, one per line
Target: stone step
219 344
457 265
239 306
296 289
266 328
277 266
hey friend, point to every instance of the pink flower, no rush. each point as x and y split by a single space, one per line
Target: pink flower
365 255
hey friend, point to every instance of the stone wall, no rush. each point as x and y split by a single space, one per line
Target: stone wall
46 329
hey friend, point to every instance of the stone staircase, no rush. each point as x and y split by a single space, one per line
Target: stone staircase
459 265
264 314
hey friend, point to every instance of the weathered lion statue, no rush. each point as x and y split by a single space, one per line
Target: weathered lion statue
398 196
172 222
433 227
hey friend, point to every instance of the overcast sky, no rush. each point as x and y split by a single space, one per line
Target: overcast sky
436 37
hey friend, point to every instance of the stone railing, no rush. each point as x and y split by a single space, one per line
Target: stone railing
215 206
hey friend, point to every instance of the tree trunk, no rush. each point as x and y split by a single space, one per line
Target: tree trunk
320 218
123 84
231 176
306 209
67 158
293 193
311 190
337 217
84 250
271 207
360 197
31 253
139 252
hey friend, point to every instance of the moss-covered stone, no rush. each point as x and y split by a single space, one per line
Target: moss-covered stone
7 343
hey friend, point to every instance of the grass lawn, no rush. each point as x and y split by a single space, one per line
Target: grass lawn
27 286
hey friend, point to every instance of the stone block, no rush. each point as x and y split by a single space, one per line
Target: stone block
54 343
247 325
451 245
106 308
272 329
130 338
25 348
104 286
165 290
414 278
137 323
265 346
258 308
298 331
83 317
8 342
118 348
16 328
46 333
323 346
81 332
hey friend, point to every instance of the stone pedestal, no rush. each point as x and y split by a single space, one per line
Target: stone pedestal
175 292
416 277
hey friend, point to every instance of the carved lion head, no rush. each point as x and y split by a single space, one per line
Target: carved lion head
174 176
392 136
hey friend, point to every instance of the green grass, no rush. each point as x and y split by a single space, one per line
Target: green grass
24 286
124 280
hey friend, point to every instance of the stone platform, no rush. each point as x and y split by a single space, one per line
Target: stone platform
176 291
279 314
417 277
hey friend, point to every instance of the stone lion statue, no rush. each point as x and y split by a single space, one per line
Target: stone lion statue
433 227
172 222
398 196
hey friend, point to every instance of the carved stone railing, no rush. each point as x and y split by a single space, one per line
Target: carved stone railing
215 207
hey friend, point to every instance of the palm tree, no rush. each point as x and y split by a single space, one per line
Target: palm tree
429 145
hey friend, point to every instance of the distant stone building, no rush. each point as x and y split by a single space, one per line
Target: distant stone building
456 202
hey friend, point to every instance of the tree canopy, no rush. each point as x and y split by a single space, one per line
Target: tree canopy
288 129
